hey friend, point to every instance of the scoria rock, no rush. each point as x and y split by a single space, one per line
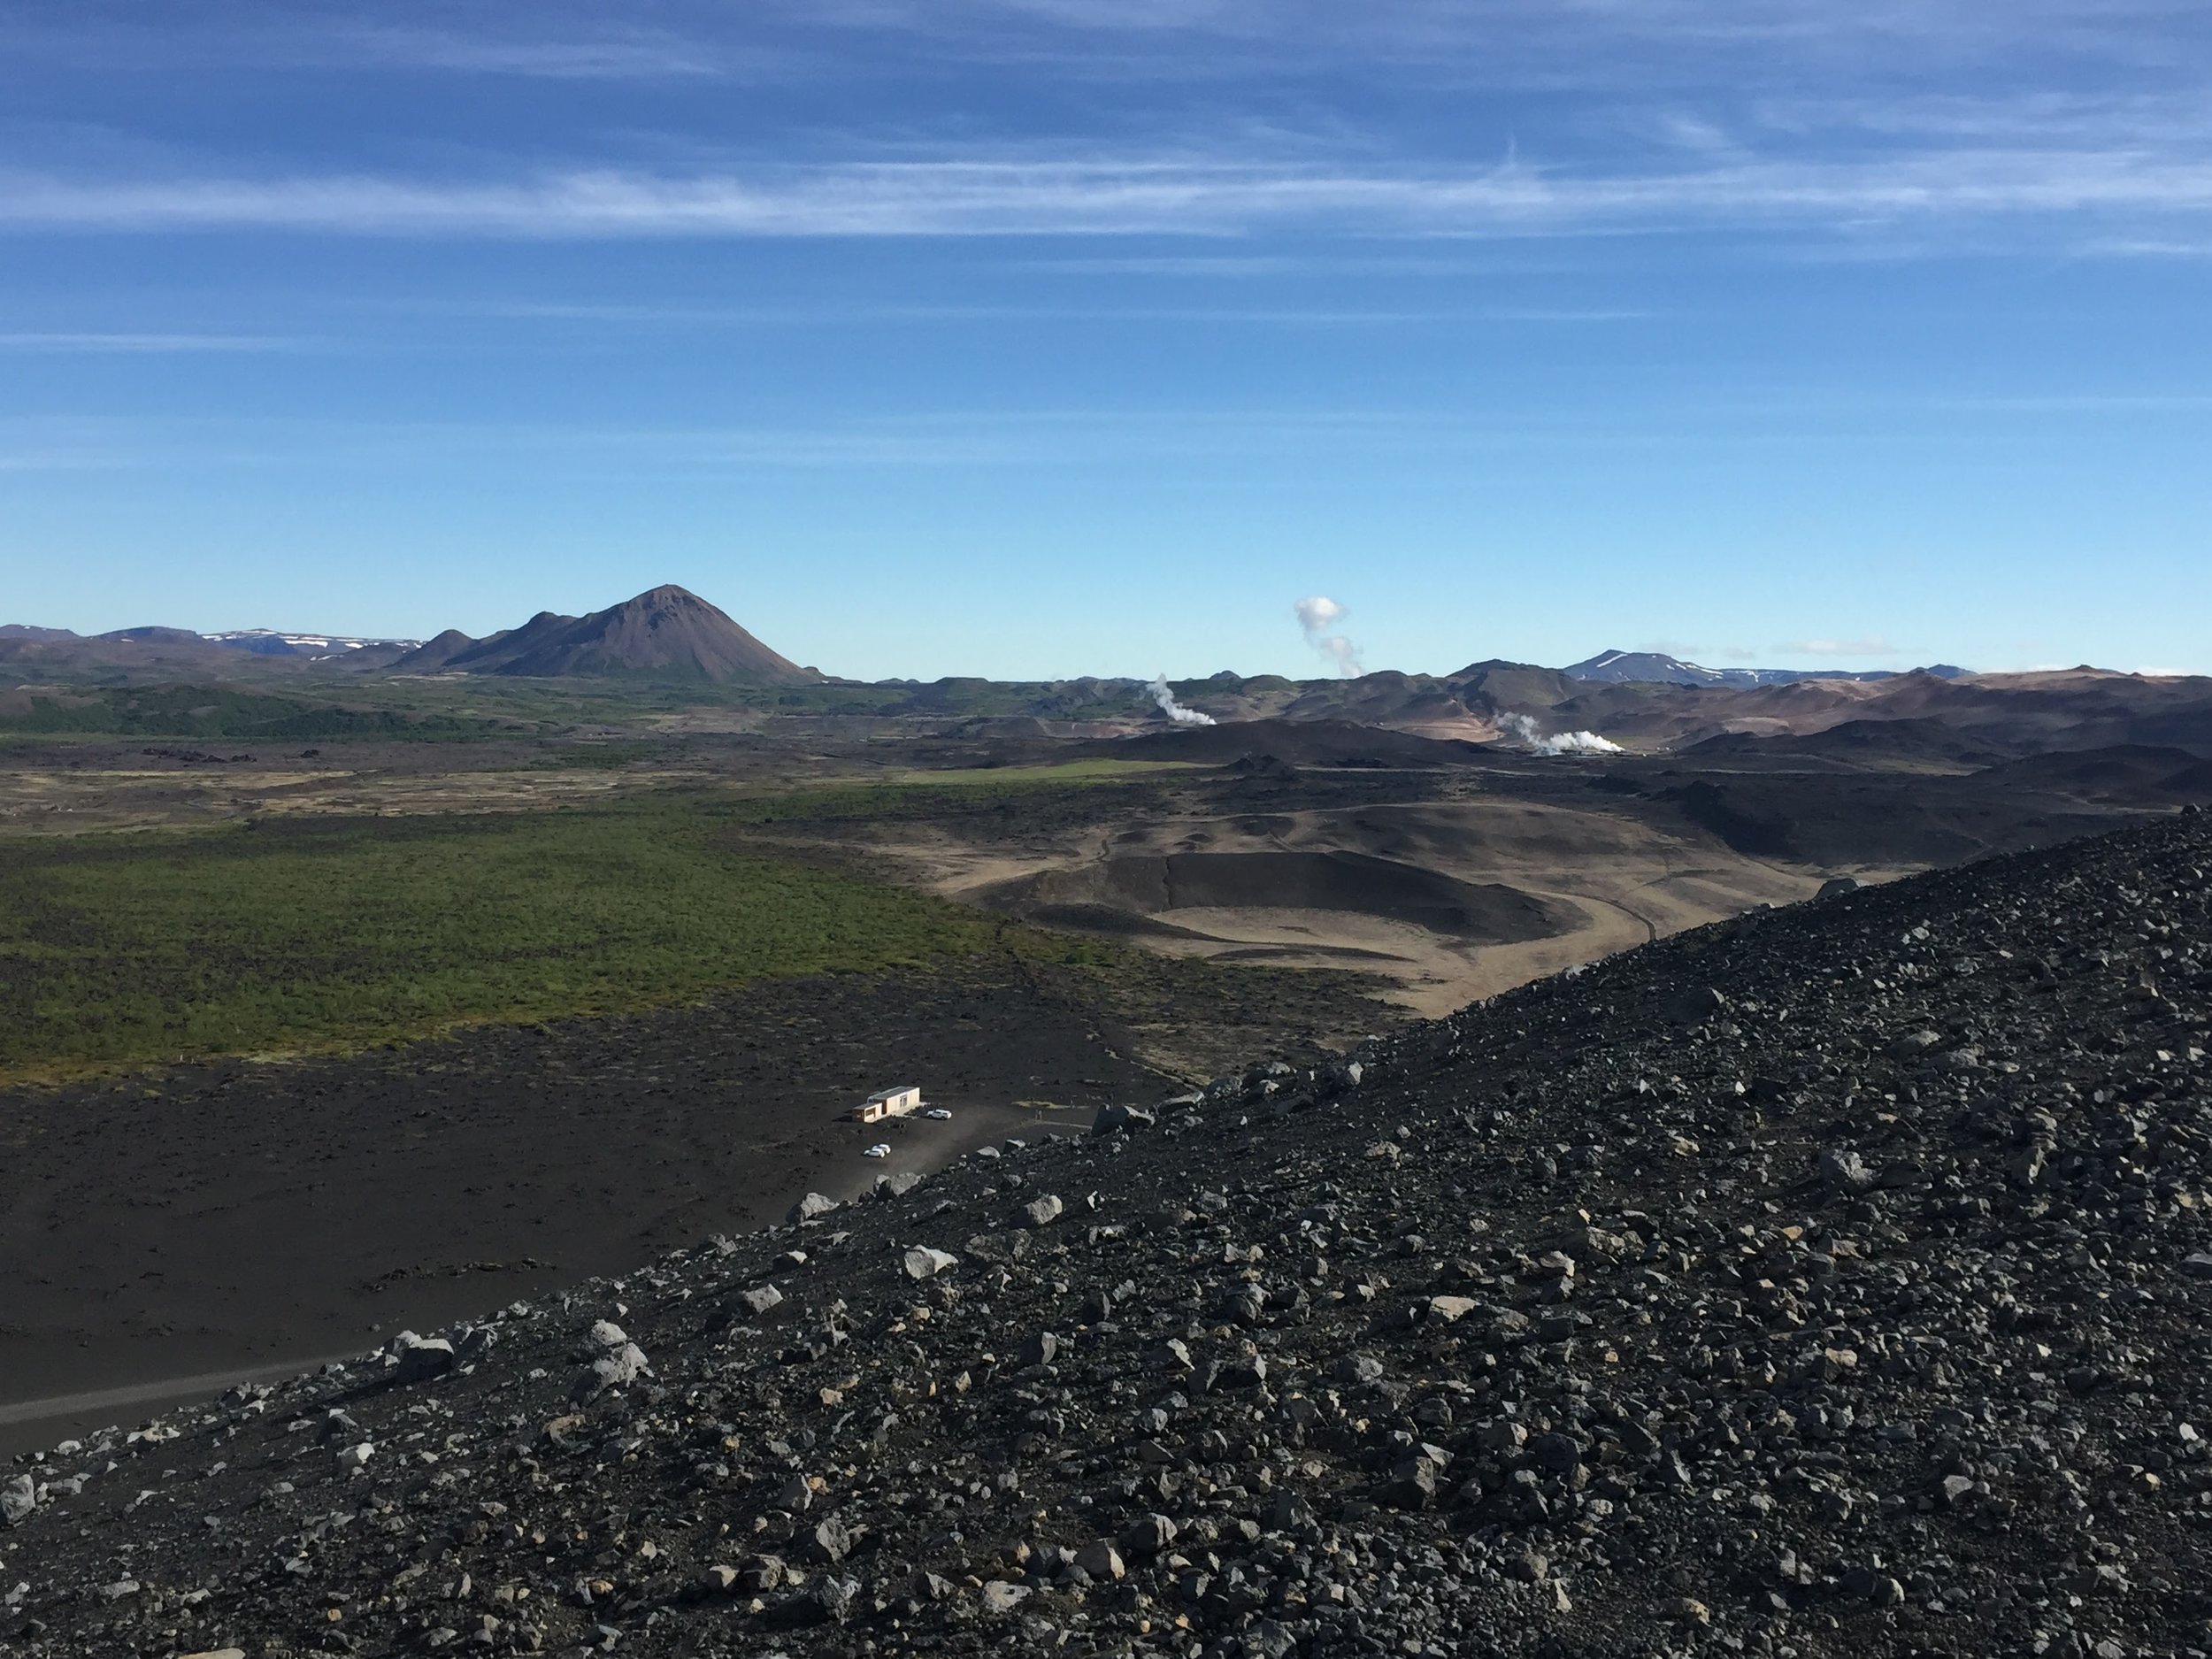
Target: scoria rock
1737 1334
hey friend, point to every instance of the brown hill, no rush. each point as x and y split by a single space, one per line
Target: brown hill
435 654
665 634
1904 744
136 653
1990 716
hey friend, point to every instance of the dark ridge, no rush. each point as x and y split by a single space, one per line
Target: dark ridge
1290 743
1709 807
2127 773
1876 744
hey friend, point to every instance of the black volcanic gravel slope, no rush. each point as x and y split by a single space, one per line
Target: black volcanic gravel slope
1831 1280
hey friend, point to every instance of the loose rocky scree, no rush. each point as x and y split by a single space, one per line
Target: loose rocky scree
1833 1280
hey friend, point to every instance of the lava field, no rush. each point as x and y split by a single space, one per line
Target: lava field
1833 1280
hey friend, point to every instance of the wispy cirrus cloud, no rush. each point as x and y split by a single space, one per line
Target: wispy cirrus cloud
573 45
1650 48
1871 645
2058 190
1692 651
142 344
1034 436
1381 29
607 54
697 316
1432 28
2148 248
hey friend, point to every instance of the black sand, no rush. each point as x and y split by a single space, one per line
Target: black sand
240 1216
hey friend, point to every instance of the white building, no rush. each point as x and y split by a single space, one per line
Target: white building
901 1101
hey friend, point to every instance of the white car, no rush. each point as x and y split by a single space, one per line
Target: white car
939 1114
881 1150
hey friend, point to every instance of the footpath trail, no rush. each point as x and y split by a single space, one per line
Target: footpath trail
102 1404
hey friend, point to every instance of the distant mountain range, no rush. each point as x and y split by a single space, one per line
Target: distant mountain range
1641 699
665 634
1657 668
261 642
268 642
669 632
1647 701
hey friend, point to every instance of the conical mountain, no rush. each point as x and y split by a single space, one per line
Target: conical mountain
435 654
667 633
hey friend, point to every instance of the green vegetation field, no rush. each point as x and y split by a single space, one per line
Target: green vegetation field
117 949
271 702
214 712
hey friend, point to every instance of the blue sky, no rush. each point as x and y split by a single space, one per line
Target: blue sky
1046 337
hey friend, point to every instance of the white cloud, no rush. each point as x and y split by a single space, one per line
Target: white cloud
578 46
1668 52
142 343
1872 645
937 438
1438 35
841 316
2145 247
611 56
1143 195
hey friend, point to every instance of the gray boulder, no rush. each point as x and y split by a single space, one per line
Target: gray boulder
1844 1172
419 1358
619 1363
1696 1005
1000 1596
1044 1212
1146 1536
924 1262
813 1207
1113 1120
1100 1560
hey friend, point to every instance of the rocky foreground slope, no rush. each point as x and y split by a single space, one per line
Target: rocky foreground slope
1835 1279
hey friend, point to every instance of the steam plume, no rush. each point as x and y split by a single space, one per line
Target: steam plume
1175 710
1561 743
1318 617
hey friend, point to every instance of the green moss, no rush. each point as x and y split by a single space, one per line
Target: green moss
214 712
319 934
